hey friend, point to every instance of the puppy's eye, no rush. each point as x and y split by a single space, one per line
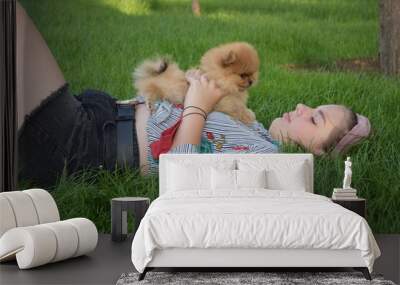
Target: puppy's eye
243 75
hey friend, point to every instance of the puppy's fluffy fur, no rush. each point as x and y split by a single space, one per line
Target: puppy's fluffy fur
157 79
233 66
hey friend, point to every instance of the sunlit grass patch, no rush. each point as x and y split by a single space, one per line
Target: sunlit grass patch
129 7
223 16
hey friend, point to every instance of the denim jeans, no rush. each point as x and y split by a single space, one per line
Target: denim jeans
68 133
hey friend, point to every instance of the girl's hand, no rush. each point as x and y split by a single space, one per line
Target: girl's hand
202 93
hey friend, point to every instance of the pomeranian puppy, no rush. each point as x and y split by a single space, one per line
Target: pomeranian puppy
158 79
233 66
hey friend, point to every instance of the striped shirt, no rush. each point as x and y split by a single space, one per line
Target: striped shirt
221 134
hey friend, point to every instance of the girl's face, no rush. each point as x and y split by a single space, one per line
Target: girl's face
309 127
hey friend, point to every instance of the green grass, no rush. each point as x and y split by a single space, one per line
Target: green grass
98 43
88 194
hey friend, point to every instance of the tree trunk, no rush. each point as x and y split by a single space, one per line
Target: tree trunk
389 39
196 7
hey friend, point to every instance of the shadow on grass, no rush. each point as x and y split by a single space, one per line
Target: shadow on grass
369 65
318 10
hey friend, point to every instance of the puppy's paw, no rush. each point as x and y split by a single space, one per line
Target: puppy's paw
193 74
150 106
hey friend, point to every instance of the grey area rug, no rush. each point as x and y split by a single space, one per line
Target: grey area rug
232 278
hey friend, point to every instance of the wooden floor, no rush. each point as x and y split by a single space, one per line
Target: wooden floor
102 266
110 260
389 262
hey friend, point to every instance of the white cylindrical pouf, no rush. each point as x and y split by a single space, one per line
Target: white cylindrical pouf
87 234
31 232
45 205
34 246
7 218
23 207
67 239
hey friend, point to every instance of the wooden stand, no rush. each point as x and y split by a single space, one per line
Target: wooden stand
120 207
358 205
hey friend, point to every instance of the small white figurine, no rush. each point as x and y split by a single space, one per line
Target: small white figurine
347 174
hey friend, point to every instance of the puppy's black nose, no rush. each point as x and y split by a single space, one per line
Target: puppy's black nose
250 82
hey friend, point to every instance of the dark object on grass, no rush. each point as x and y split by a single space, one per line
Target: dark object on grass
348 65
196 7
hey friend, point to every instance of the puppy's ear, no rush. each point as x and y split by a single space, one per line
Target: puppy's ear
163 65
229 58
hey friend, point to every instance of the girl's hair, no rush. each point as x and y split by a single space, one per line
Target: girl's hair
350 120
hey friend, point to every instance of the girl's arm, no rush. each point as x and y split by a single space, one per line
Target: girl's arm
202 93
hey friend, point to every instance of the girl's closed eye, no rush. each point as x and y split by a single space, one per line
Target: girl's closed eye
313 121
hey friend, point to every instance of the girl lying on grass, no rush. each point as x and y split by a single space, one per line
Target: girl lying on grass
59 131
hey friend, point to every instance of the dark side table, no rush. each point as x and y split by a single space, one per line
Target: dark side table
358 206
120 208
